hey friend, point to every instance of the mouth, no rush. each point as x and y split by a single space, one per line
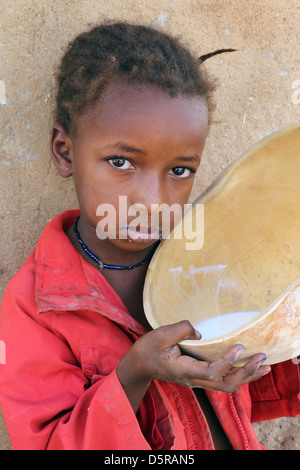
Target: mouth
145 234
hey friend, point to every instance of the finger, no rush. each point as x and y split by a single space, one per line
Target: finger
251 371
218 375
177 332
199 373
216 370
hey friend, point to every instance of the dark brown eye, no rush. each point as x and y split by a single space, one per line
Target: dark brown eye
121 163
181 172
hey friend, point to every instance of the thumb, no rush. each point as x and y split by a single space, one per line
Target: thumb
180 331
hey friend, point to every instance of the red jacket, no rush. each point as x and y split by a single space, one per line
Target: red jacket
65 330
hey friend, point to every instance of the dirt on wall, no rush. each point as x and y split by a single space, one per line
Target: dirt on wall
258 93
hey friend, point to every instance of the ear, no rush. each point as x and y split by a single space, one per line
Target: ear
61 150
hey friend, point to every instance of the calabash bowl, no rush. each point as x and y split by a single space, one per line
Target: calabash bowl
249 261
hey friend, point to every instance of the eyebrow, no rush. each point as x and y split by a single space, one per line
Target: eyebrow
192 158
127 148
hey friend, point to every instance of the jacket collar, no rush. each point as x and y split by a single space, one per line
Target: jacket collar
65 281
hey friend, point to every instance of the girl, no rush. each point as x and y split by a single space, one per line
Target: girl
83 370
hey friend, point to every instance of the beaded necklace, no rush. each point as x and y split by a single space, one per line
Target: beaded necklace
102 265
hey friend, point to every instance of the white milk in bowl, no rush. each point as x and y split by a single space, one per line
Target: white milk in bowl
223 324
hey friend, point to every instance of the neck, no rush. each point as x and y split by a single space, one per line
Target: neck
107 254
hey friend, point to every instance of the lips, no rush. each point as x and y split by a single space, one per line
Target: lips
143 235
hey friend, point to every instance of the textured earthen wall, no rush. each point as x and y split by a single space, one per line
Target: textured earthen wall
258 93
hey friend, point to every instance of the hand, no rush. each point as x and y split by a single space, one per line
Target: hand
156 355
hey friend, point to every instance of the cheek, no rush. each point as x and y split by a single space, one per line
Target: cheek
92 185
180 193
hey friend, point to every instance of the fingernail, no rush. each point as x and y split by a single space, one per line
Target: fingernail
239 349
198 334
261 360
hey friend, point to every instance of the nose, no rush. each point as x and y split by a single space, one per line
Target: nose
150 192
153 201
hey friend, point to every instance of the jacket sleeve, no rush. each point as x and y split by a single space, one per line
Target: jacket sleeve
276 394
44 395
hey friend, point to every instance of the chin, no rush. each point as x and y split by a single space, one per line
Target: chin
134 245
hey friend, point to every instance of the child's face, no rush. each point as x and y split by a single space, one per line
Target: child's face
140 143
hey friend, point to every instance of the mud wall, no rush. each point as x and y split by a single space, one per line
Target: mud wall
258 93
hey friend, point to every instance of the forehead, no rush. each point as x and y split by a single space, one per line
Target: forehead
139 110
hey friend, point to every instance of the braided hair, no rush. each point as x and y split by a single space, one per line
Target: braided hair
135 54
